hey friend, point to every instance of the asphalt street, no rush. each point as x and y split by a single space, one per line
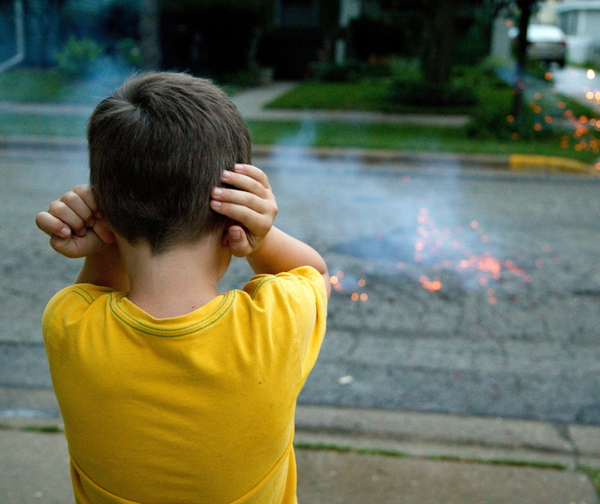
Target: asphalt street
464 291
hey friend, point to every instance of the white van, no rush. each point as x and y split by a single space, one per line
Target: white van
547 43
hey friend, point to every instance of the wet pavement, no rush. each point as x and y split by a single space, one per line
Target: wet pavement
463 291
579 83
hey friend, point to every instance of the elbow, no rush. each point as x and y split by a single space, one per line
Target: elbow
327 283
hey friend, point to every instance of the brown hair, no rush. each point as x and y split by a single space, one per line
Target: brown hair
158 145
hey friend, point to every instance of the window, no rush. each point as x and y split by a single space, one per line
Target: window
297 13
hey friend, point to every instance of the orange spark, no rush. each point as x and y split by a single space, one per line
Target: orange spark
430 285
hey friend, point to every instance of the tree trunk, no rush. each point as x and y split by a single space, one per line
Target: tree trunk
437 58
525 8
150 34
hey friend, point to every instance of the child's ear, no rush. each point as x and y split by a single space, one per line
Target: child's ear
104 231
225 237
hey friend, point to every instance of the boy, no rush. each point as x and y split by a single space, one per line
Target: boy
171 392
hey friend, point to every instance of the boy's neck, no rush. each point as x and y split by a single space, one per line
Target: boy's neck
178 280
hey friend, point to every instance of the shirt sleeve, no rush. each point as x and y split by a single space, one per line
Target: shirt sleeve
302 296
66 306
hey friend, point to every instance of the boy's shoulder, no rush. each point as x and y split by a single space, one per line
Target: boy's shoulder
304 278
78 293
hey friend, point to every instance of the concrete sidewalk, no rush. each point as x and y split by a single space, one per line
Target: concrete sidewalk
364 456
252 105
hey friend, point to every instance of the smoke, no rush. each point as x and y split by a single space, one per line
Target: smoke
422 220
103 78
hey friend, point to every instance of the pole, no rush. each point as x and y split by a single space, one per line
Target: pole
20 38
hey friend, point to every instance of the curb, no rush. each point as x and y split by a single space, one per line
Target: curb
518 162
512 162
42 143
412 158
431 435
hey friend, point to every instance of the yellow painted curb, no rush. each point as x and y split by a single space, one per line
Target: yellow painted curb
526 162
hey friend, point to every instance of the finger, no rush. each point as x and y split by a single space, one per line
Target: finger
51 225
64 246
243 198
238 242
68 216
246 182
252 172
256 222
75 246
85 192
79 205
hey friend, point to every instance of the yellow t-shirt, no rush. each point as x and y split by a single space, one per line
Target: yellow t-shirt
192 409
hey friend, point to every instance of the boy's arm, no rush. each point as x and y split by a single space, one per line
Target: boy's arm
77 229
266 248
281 252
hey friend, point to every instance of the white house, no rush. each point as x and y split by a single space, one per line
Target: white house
580 20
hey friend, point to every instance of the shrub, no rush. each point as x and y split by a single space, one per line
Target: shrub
352 71
242 79
406 68
129 51
332 72
430 94
497 125
493 119
479 77
78 56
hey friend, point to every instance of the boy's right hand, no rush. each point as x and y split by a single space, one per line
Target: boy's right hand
251 203
75 224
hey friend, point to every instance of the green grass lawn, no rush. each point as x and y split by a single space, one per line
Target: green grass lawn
32 85
50 85
68 125
333 96
373 96
370 95
403 138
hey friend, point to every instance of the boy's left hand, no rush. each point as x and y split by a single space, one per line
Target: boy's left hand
251 203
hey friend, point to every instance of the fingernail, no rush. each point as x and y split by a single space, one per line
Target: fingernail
66 232
239 166
217 191
236 234
226 174
215 203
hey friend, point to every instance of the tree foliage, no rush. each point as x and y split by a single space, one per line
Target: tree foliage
183 6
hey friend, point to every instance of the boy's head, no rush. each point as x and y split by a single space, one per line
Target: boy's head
158 145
